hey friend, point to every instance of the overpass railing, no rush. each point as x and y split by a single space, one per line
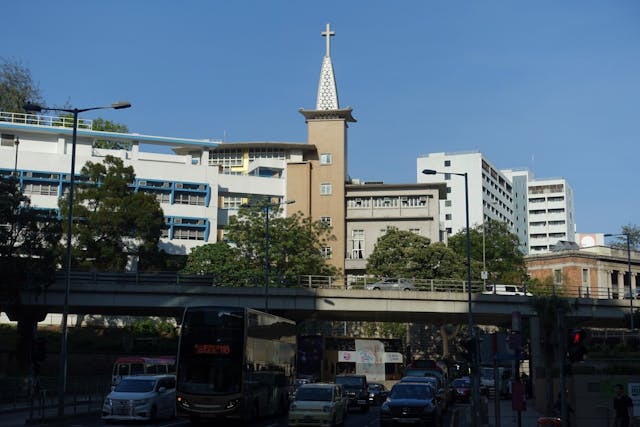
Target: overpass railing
316 281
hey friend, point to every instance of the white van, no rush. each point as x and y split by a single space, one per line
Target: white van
505 290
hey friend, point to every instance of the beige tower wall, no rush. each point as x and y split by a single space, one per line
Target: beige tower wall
330 137
299 187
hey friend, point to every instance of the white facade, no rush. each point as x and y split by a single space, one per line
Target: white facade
194 186
551 214
490 192
545 211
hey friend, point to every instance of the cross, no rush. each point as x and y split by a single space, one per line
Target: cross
328 34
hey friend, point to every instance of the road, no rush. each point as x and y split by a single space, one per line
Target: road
355 419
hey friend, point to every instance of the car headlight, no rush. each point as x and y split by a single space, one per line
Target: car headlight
108 402
232 403
326 408
385 407
140 402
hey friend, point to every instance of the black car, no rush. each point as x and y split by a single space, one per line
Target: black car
356 389
411 403
377 393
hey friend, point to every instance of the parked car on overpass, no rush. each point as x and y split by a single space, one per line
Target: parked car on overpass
391 284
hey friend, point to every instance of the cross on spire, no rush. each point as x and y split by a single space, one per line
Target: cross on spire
328 34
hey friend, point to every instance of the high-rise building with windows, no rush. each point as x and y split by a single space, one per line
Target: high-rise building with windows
490 191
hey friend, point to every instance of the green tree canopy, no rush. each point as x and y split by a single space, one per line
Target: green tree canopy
400 253
29 240
16 86
295 242
634 237
113 222
224 262
504 261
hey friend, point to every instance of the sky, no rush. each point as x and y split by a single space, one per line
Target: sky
553 87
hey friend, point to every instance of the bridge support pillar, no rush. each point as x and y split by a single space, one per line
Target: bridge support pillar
27 331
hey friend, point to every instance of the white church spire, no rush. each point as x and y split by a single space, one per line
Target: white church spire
327 92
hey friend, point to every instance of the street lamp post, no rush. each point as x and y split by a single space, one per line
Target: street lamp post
16 142
475 389
267 243
62 371
631 294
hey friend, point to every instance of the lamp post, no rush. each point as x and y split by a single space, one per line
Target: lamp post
474 384
266 207
631 294
62 371
16 142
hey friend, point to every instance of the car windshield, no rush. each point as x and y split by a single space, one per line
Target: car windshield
461 383
135 386
411 391
318 394
375 387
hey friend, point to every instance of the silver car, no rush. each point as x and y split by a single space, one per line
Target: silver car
391 284
144 397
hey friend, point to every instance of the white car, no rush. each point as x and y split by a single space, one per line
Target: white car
144 398
319 404
505 290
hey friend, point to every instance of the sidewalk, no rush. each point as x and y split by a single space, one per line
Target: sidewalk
509 417
46 412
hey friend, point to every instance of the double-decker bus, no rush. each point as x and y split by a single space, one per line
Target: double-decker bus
234 362
321 358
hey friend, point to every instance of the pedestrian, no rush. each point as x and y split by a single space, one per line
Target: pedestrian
622 406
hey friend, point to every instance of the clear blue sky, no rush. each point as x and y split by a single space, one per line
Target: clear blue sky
553 86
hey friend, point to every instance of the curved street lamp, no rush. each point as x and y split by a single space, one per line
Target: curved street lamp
631 294
266 207
475 389
62 372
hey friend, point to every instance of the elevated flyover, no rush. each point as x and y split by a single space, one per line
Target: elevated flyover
155 295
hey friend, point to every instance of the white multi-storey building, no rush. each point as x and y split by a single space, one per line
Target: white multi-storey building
546 210
198 187
490 192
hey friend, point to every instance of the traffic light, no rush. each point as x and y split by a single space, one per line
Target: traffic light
576 348
469 349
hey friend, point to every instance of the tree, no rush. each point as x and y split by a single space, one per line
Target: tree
16 86
221 260
114 223
100 124
29 241
504 261
634 237
400 253
295 242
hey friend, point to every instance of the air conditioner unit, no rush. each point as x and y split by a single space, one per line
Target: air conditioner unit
177 220
179 185
142 182
29 174
201 222
201 187
166 184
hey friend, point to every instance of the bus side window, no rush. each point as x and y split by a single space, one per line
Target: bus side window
137 369
123 369
152 369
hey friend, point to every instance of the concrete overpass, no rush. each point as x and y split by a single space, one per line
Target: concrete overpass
157 295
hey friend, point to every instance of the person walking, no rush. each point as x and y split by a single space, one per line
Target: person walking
622 406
